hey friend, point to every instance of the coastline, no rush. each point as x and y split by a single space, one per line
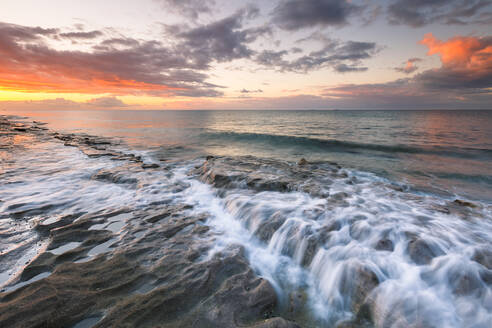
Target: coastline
172 261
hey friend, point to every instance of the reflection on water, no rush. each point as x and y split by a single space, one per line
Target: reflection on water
445 151
334 242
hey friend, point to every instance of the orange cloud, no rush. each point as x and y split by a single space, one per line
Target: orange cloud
30 64
409 67
460 52
66 81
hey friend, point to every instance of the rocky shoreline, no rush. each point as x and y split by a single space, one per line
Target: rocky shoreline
158 265
154 275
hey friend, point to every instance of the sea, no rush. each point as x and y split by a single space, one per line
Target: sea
401 197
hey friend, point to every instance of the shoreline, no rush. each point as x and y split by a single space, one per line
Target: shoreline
214 225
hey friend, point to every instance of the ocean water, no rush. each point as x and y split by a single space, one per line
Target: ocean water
392 209
446 152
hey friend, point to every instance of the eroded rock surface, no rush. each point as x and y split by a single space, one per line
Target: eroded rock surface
150 266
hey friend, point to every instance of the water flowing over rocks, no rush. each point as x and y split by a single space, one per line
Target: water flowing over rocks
121 241
130 267
365 246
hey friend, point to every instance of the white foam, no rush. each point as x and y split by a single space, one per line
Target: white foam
373 211
420 292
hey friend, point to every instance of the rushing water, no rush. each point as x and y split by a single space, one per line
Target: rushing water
380 228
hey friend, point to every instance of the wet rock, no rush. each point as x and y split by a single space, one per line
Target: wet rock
45 228
483 255
358 281
486 276
355 323
422 251
360 230
297 303
384 245
116 175
465 282
265 175
302 162
275 323
261 184
313 244
462 278
221 293
267 228
339 196
182 289
464 203
150 166
315 189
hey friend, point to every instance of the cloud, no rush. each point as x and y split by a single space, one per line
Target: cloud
417 13
81 35
118 66
126 42
464 80
221 41
341 56
106 102
31 62
466 63
409 66
46 104
18 33
66 104
251 91
298 14
188 8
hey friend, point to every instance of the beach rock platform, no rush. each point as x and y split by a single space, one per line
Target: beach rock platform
128 267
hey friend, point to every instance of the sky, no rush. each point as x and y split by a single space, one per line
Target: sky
231 54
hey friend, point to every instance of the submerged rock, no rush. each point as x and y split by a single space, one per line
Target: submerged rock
483 255
422 251
384 245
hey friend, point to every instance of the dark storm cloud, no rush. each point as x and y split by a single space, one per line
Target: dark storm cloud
418 13
82 35
188 8
341 56
298 14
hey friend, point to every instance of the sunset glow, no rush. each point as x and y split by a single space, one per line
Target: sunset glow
260 163
246 56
